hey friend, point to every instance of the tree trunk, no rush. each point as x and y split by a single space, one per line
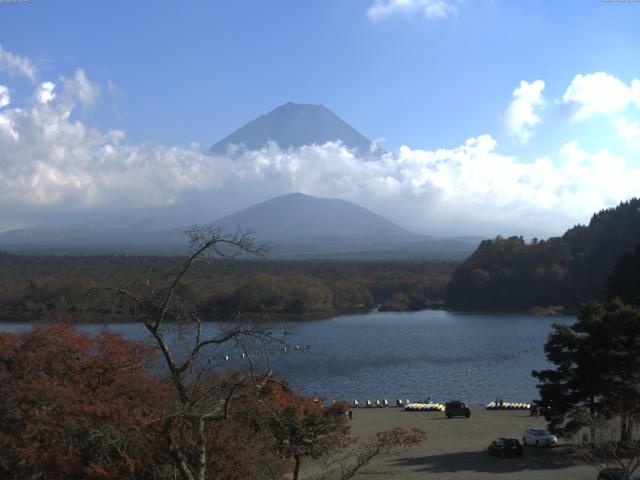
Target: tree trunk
592 424
624 429
296 470
176 453
201 453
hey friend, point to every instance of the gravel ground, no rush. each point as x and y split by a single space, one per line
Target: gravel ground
456 449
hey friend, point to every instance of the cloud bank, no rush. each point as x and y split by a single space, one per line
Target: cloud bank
52 162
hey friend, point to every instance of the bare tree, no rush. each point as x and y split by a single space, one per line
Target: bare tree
606 453
350 456
204 393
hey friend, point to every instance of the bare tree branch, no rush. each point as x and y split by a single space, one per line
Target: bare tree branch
202 397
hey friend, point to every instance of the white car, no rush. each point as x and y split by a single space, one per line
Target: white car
540 437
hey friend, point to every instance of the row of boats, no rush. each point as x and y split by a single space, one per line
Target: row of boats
370 404
406 404
438 407
425 407
500 405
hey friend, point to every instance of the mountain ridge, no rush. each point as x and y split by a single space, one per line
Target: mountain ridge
297 216
293 125
297 226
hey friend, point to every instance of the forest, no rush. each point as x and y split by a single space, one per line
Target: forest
587 262
72 288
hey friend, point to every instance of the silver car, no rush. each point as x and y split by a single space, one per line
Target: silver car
540 437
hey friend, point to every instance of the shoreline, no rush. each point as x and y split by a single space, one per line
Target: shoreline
288 318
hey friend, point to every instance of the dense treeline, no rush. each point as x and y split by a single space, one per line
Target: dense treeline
624 281
67 288
564 271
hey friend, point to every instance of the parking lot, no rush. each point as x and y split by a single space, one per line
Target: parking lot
457 448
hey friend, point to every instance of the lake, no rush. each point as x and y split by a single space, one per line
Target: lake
416 355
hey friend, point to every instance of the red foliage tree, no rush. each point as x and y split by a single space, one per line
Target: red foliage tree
302 426
77 406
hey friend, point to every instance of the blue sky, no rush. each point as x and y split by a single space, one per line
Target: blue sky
196 71
429 74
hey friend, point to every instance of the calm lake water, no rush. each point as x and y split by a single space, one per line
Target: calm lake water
428 354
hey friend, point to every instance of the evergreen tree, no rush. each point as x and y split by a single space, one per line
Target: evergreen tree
565 271
597 369
624 281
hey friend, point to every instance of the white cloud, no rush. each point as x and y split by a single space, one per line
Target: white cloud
44 93
600 93
520 116
5 98
429 8
14 65
79 87
50 161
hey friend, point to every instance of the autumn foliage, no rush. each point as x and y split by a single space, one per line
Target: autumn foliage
303 427
76 406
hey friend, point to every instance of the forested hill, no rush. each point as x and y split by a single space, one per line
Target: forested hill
508 273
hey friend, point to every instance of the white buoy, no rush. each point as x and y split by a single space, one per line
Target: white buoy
226 358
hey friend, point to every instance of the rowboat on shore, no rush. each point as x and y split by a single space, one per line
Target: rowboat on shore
508 406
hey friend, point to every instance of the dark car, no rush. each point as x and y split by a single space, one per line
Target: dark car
615 474
456 409
505 447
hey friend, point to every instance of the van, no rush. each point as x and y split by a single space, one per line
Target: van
456 408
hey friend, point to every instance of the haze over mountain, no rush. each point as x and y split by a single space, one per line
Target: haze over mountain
302 226
294 125
300 216
295 225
